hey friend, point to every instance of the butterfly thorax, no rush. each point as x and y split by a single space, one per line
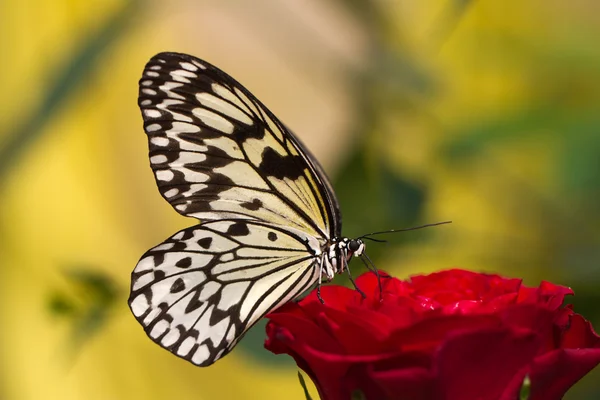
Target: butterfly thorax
338 254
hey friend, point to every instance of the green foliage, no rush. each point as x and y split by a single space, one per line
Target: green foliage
303 384
358 395
85 304
525 388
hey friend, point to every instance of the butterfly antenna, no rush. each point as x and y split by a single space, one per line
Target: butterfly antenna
375 240
403 230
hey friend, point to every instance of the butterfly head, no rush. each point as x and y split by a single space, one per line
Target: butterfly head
347 247
356 247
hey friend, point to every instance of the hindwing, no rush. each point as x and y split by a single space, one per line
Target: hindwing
198 292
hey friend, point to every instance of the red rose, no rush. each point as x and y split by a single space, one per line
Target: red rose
452 335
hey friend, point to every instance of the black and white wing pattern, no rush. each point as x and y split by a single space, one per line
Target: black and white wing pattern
217 152
267 211
197 293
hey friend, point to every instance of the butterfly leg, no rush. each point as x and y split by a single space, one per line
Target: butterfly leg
345 261
320 279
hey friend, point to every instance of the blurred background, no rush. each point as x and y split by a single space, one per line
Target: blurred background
480 112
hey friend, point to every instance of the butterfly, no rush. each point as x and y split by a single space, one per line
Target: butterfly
270 224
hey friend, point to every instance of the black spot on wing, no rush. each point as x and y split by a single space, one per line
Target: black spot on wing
185 262
238 229
177 286
158 258
187 234
252 206
205 242
272 236
243 132
281 166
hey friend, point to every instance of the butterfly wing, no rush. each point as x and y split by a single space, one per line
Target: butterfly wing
217 152
265 205
198 292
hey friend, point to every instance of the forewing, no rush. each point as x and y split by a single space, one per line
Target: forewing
217 152
198 292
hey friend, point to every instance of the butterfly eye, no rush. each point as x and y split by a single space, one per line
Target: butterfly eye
354 245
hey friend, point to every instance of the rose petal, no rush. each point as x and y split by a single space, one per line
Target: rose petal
479 365
412 383
309 333
553 373
430 332
454 334
579 334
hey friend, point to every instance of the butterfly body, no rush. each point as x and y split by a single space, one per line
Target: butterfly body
270 226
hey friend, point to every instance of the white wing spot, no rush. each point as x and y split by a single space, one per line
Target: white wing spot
188 157
184 73
155 67
170 193
153 128
159 141
159 328
227 257
165 175
152 73
201 354
199 65
147 82
186 346
152 113
139 305
180 78
146 102
160 60
213 120
184 127
223 107
188 66
158 159
151 92
170 338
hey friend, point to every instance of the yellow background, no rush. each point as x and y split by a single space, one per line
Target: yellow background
487 110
